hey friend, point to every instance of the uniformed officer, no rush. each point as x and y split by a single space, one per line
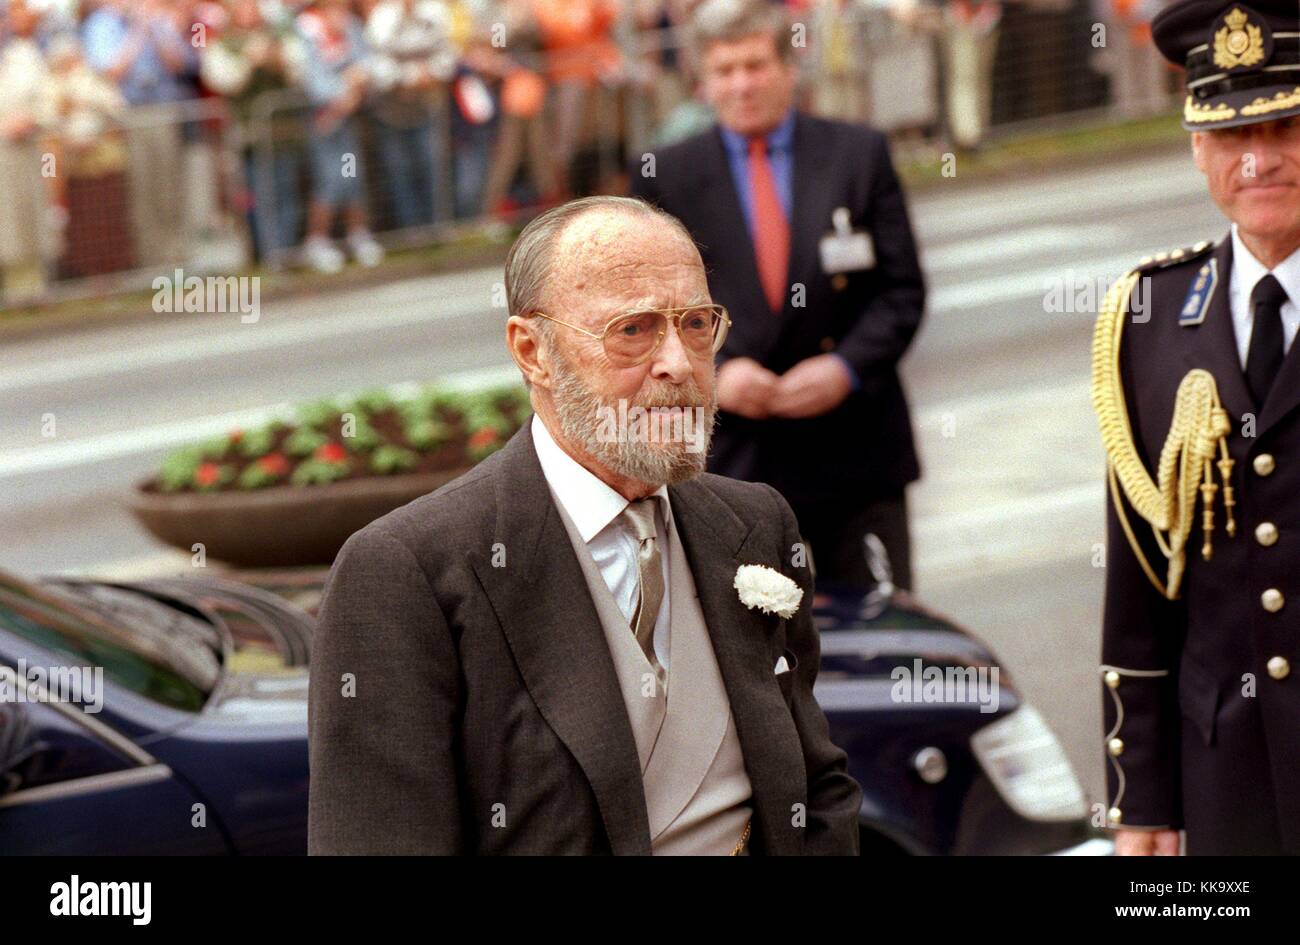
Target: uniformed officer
1196 384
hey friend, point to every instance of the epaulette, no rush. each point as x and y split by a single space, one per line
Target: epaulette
1173 257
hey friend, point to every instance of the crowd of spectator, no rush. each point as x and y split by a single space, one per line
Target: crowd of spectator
111 112
133 133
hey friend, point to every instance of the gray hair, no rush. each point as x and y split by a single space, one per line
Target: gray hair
531 258
726 21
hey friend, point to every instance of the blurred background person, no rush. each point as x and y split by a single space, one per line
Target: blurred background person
1140 77
413 60
841 30
335 78
583 66
476 107
523 130
806 237
28 241
137 44
251 57
92 188
200 23
969 41
661 23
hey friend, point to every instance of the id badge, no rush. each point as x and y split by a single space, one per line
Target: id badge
846 249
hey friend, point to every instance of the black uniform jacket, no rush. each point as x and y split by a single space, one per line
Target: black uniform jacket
1202 694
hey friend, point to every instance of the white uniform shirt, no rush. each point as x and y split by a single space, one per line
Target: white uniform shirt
1246 273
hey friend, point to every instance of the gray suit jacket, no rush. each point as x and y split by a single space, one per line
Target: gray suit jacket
464 700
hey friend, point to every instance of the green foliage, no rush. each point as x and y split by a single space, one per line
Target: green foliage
178 468
318 471
304 441
256 477
372 402
364 437
257 442
427 434
393 459
214 448
431 401
430 420
481 410
318 413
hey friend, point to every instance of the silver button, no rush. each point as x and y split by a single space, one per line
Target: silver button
1264 464
1279 668
1266 533
931 764
1272 600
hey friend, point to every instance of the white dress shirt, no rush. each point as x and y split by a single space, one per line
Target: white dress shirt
1246 272
595 509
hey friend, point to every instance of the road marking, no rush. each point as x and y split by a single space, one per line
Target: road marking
952 217
1018 244
413 305
977 293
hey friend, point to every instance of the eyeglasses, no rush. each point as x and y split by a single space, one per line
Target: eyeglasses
633 338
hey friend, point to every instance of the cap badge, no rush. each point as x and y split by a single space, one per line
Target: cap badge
1239 44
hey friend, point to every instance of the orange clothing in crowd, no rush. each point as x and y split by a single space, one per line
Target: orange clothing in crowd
575 35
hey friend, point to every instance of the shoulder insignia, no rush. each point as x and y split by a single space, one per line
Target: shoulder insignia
1199 294
1173 257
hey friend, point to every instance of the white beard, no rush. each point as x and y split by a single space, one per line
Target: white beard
655 463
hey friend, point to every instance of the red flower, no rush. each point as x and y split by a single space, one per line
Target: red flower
208 474
485 436
274 463
331 453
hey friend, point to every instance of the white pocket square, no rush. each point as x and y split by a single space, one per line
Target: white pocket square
781 666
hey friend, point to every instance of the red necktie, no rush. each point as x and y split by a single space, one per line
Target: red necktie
771 228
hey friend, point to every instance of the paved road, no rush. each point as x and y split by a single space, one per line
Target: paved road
1007 518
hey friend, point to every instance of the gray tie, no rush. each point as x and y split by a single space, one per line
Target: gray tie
650 585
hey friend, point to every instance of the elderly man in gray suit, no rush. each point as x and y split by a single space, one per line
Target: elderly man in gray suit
586 644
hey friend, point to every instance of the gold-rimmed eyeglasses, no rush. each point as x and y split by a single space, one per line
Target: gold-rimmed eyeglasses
632 338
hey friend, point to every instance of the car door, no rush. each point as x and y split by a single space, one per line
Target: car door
70 784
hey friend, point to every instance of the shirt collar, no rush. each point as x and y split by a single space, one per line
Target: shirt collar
1250 270
589 501
779 138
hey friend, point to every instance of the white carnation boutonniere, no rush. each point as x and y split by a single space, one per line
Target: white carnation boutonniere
765 589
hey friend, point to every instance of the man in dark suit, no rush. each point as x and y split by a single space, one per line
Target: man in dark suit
1196 382
805 235
491 669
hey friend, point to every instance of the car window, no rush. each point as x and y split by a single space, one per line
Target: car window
175 671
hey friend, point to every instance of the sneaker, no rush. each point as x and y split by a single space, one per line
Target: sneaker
322 255
364 248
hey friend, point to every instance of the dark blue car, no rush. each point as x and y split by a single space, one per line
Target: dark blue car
196 742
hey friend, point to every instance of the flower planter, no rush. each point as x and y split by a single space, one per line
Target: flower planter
280 526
